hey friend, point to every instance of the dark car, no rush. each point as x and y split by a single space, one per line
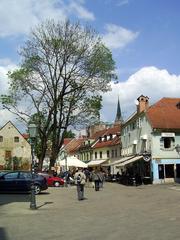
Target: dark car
52 181
21 181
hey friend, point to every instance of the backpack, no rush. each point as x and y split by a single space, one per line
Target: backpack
79 179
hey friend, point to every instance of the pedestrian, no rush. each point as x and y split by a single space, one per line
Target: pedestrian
101 178
96 179
87 173
80 180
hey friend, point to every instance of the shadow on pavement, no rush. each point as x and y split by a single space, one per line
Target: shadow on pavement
44 204
12 197
3 235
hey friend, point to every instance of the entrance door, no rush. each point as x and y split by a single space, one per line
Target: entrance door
161 171
169 172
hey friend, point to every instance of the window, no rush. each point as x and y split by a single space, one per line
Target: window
110 136
12 175
161 171
25 175
112 153
169 170
16 139
178 105
100 154
100 139
107 153
1 138
105 138
143 145
178 170
167 142
95 155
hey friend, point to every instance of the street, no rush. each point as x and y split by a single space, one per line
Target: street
147 212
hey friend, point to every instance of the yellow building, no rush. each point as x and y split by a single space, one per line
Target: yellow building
15 151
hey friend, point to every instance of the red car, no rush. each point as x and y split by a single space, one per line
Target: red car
52 181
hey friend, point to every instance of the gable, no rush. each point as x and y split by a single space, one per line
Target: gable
10 131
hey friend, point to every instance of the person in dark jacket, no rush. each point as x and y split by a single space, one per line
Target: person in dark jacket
96 179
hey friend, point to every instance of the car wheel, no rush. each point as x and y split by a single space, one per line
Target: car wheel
37 189
56 184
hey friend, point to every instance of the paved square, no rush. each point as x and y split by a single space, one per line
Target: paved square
117 212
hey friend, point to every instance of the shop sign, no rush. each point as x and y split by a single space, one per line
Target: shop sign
167 134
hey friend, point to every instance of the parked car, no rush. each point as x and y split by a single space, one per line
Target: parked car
52 181
21 181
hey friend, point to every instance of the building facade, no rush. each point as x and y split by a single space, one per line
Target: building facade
14 148
149 139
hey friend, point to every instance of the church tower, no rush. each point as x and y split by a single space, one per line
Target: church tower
118 119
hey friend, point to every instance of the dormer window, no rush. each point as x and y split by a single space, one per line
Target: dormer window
100 139
110 136
178 105
105 138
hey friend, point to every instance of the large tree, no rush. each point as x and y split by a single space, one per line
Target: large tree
64 69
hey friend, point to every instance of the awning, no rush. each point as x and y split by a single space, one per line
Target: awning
129 161
72 162
95 162
116 162
121 160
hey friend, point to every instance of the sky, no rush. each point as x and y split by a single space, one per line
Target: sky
143 35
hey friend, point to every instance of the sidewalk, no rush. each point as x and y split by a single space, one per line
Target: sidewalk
117 212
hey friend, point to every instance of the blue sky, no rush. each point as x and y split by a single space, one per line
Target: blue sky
143 35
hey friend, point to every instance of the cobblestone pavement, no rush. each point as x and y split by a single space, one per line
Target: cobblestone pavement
146 212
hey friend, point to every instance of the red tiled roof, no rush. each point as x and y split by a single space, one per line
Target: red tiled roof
164 114
108 143
107 131
67 140
25 135
74 144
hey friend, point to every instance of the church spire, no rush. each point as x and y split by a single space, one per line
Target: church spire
118 114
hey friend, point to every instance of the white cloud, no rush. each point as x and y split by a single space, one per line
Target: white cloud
18 16
81 11
5 66
149 81
122 2
117 37
5 116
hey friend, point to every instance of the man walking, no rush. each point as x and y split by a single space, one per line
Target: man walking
80 180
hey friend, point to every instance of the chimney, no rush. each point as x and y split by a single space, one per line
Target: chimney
143 103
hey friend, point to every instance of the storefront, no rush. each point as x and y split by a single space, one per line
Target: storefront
166 170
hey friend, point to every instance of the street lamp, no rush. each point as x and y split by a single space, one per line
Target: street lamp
63 155
32 134
177 147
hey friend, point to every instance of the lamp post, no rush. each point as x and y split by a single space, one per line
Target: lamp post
177 147
32 133
63 155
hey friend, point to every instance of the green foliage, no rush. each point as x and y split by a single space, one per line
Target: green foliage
13 163
101 63
69 134
65 67
16 162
